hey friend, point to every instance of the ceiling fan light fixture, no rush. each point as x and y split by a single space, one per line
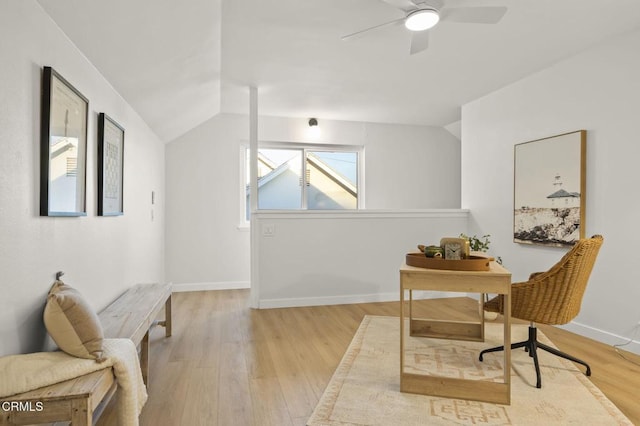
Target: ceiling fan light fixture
422 19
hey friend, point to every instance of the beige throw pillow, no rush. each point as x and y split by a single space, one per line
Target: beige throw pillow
72 323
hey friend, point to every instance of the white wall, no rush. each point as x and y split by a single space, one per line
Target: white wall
325 258
406 167
205 247
597 90
101 256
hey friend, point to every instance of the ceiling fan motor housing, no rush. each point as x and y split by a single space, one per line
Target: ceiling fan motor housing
422 19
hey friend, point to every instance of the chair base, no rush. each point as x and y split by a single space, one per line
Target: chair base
531 345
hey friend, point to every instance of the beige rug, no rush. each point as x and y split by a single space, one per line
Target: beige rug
365 389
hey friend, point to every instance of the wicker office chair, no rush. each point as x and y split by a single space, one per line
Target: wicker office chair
551 297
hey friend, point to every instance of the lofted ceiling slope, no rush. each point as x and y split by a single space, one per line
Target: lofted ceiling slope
180 63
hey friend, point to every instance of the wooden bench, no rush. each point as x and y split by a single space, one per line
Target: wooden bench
82 400
133 314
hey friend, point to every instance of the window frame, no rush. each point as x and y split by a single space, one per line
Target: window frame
304 147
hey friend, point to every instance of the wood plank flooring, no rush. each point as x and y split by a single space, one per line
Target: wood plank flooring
227 364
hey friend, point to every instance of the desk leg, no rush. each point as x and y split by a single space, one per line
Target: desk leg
507 343
410 308
401 332
481 313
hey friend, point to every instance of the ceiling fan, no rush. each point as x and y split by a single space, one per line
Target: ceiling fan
422 15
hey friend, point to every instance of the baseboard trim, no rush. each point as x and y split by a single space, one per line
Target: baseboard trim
346 299
228 285
605 337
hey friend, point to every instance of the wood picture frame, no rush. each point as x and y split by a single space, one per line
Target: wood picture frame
550 190
63 147
110 166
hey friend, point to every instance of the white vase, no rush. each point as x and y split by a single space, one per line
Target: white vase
490 316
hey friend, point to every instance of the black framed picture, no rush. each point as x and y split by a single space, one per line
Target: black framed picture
63 147
110 166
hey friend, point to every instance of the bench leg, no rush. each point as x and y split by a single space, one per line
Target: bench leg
144 357
80 413
167 317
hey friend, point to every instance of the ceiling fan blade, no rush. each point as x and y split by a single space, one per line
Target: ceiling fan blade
419 42
405 5
357 33
474 15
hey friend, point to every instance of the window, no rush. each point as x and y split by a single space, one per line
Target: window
292 177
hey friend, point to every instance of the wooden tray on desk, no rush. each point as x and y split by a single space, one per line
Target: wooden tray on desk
473 263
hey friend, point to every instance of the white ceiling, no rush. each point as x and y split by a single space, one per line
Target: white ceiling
180 63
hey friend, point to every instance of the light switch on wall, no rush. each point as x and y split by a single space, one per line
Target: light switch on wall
268 230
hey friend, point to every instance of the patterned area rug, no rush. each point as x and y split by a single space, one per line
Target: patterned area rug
365 388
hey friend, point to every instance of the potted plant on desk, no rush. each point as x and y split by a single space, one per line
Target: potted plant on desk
481 244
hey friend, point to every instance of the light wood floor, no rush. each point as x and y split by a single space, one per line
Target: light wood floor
227 364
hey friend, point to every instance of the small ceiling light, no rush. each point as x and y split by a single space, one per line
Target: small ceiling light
422 19
314 129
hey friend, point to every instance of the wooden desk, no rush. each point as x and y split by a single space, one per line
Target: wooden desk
496 280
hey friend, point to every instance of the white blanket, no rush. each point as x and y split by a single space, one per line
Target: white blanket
23 373
132 393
